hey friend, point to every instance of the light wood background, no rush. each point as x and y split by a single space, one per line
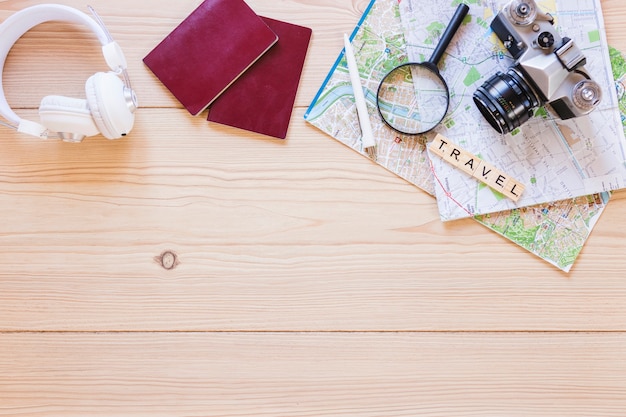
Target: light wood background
307 282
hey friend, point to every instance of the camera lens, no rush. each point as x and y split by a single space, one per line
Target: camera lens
506 101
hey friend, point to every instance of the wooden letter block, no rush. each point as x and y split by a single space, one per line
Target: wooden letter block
476 167
469 163
499 181
514 190
439 146
453 156
486 172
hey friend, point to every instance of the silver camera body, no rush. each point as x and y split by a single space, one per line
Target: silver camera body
548 70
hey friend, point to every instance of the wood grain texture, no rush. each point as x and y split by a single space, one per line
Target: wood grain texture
196 269
225 374
262 243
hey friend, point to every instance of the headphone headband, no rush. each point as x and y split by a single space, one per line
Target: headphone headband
22 21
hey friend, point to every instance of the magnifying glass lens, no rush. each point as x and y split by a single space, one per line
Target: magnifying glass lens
413 98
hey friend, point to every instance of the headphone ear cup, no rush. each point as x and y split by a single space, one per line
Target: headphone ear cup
70 117
108 105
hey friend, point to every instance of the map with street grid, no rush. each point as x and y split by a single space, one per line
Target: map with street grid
554 231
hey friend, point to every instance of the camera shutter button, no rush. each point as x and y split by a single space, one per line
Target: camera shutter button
545 40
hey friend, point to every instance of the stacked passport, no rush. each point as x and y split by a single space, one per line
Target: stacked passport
245 68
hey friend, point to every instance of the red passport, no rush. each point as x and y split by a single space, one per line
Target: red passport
208 50
262 99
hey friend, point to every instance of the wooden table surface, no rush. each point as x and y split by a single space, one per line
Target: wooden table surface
308 281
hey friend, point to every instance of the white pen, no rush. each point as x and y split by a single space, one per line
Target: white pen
367 137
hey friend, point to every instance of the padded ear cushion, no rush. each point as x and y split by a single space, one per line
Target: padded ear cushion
108 106
67 115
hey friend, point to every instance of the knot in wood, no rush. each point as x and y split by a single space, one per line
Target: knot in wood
168 260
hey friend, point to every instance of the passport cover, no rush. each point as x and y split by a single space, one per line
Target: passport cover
208 50
262 99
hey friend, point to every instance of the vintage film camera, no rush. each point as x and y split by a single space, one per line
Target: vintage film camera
548 69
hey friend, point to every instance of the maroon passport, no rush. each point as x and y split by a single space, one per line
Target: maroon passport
208 50
262 99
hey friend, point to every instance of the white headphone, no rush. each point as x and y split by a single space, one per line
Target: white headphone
110 104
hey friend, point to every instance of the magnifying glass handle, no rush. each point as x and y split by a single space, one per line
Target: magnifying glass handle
453 26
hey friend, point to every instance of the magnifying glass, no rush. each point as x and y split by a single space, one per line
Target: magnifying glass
413 98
